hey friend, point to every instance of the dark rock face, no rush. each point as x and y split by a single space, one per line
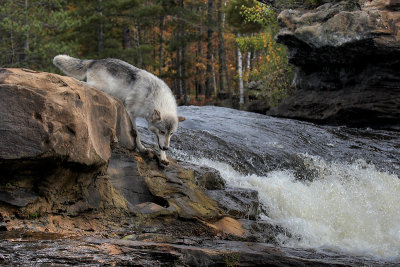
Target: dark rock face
348 63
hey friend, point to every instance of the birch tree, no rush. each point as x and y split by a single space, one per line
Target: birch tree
222 71
240 73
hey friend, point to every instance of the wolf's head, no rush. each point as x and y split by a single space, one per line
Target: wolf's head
163 127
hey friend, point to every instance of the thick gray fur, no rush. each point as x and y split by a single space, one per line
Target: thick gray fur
143 94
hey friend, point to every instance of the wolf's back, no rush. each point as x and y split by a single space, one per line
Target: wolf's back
71 66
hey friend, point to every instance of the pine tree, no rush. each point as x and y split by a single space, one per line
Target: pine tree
33 32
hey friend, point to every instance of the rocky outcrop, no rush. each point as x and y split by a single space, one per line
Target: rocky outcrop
347 56
67 149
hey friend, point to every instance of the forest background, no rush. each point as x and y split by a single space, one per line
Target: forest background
219 52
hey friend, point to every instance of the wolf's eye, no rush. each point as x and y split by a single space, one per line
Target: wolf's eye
162 132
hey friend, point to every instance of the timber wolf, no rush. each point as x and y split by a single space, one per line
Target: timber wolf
143 94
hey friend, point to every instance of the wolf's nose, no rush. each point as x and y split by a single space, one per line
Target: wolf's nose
165 148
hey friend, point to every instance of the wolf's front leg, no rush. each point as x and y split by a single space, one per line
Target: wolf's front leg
138 143
163 157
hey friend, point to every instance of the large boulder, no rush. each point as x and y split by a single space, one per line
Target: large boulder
347 56
45 116
55 142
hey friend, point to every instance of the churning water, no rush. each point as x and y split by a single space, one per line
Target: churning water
348 207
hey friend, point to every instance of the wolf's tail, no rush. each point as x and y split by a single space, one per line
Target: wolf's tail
71 66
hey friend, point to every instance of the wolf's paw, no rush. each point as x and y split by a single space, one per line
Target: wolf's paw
164 162
144 150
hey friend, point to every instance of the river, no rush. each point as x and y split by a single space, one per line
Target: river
331 188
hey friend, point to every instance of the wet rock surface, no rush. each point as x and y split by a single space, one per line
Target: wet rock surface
347 58
51 249
237 202
257 144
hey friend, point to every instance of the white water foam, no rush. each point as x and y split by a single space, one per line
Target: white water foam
352 208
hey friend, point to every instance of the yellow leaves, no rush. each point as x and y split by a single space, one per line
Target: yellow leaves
200 66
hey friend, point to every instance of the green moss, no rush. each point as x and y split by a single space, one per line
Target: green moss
33 216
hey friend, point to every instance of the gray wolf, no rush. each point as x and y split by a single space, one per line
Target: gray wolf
143 94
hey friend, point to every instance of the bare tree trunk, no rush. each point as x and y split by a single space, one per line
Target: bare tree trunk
240 74
213 76
26 44
179 67
196 87
247 67
200 71
223 72
183 56
209 49
248 58
100 27
160 58
153 43
185 95
136 38
126 37
12 47
223 16
253 58
174 65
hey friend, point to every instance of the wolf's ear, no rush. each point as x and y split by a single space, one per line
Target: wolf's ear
180 118
156 115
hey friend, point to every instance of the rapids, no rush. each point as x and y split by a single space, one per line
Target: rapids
331 188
